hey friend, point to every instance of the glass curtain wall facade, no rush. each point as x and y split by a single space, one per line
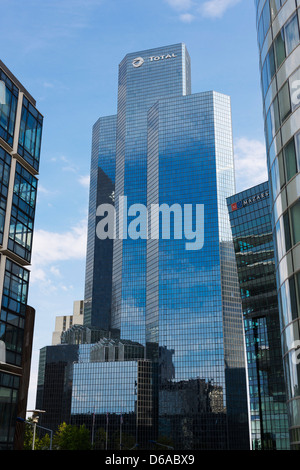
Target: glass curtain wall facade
54 384
164 72
20 140
193 305
251 225
180 305
98 278
279 58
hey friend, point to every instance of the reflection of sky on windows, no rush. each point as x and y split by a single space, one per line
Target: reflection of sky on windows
174 149
138 91
8 105
107 387
2 93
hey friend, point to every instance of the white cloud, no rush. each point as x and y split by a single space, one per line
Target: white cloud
180 4
43 190
48 85
250 163
206 8
187 17
54 270
84 180
51 248
217 8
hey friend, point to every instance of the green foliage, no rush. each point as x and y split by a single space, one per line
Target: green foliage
100 439
67 437
28 436
70 437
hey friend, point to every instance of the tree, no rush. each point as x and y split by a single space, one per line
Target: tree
100 439
71 437
39 443
28 436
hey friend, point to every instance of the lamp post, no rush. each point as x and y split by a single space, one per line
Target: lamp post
35 425
35 419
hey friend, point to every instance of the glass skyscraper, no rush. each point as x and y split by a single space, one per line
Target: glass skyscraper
98 279
165 162
250 216
20 142
279 59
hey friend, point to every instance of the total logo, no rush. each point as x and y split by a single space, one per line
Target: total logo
139 61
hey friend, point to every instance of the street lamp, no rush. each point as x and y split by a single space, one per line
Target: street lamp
34 424
35 419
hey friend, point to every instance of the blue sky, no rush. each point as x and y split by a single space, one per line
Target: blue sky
66 53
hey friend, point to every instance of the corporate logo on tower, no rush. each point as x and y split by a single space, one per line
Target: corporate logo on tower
251 200
139 61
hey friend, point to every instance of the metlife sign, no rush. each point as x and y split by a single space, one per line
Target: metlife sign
139 61
251 200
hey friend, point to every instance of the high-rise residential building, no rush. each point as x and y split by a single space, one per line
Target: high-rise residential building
20 141
250 216
162 168
279 59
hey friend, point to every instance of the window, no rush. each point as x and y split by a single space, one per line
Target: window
30 134
297 142
5 161
279 49
25 186
290 159
2 92
297 276
274 6
295 89
281 170
15 288
274 178
266 18
273 121
287 232
22 214
284 102
291 34
293 296
16 282
269 69
295 226
8 107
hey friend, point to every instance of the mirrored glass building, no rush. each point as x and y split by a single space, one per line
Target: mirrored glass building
20 143
250 216
279 60
164 163
98 278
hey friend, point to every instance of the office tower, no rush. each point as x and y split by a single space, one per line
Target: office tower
279 59
54 384
250 217
98 278
167 155
57 379
20 140
65 322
